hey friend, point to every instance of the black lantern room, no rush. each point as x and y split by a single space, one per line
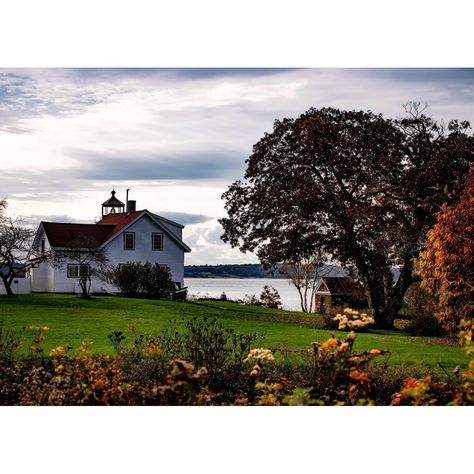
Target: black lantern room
112 205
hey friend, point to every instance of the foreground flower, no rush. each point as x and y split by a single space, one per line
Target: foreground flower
329 344
255 370
40 328
259 354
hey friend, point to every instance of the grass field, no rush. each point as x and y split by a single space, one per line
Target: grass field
72 319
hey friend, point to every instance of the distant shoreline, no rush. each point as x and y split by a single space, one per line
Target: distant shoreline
247 270
219 277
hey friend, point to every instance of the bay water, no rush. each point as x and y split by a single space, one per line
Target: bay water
237 288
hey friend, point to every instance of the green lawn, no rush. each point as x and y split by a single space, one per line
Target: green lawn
72 319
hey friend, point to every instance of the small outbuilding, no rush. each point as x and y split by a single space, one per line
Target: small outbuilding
338 291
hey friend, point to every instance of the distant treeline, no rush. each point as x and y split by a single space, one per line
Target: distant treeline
229 271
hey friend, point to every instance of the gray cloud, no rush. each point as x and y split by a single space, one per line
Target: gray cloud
184 218
31 93
119 74
434 75
135 166
44 93
34 220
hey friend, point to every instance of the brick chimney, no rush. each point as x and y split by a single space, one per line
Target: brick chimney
131 206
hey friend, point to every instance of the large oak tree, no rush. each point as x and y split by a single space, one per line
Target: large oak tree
358 186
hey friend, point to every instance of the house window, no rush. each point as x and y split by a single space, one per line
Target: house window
77 271
157 241
163 267
42 245
129 241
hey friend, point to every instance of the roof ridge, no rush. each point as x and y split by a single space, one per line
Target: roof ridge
71 223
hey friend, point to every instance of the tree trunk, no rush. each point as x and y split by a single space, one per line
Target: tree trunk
373 298
301 299
8 287
83 282
395 302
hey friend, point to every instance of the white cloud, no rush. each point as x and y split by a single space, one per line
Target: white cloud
176 138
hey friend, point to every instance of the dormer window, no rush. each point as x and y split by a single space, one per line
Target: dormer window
157 241
129 241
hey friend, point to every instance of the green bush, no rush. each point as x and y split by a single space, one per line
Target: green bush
156 281
147 279
328 317
10 342
421 308
207 343
424 325
127 278
269 298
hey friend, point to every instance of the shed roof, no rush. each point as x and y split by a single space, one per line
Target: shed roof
340 286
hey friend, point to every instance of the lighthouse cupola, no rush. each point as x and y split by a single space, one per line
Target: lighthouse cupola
112 205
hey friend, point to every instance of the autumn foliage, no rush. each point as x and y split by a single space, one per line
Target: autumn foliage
446 265
220 368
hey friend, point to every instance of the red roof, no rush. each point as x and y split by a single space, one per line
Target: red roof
61 234
120 219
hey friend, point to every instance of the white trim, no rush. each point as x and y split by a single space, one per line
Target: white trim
181 226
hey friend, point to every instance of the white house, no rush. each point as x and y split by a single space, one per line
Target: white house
125 235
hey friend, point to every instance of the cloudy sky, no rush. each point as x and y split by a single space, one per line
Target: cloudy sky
176 138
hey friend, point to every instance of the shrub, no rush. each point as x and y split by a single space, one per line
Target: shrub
184 385
251 300
422 307
127 278
206 343
10 342
220 368
116 338
339 375
156 281
425 325
328 317
352 320
389 379
269 298
135 278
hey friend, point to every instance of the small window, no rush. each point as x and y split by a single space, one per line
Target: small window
157 241
84 270
42 245
73 271
77 271
163 267
129 241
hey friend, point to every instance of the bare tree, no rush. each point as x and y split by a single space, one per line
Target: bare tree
305 277
18 255
91 261
3 205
